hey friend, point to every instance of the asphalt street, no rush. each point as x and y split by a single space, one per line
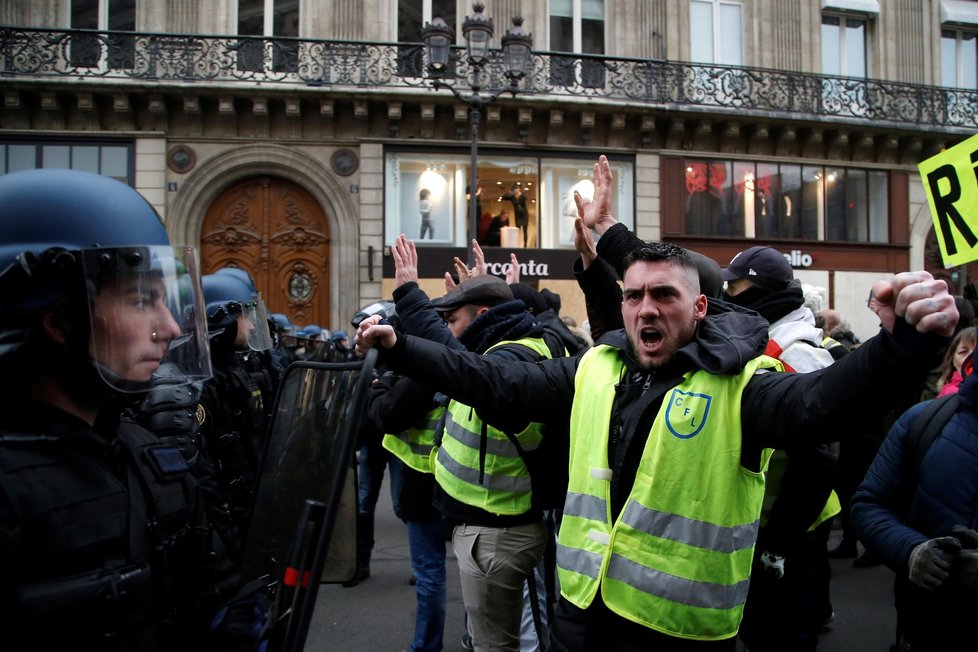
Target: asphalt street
378 614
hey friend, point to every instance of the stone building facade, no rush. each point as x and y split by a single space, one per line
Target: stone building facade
291 137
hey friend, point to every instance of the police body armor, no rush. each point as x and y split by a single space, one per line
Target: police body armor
233 421
169 411
120 533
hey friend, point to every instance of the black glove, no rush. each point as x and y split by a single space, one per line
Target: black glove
931 562
967 536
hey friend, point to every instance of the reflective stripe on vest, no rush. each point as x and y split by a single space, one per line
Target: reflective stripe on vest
504 487
413 446
678 558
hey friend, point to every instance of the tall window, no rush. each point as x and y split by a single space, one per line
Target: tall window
577 26
959 59
785 201
268 18
412 15
843 46
112 15
115 15
716 32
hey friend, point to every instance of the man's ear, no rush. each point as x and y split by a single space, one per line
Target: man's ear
701 305
56 327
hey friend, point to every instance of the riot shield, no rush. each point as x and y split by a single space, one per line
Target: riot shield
309 449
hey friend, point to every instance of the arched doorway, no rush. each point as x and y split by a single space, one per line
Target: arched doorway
274 229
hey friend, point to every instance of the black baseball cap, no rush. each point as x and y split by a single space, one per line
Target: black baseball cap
764 266
483 290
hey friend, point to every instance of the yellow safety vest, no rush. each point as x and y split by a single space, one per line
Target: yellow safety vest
678 557
503 487
414 445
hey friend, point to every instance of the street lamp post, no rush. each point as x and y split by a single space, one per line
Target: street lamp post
477 30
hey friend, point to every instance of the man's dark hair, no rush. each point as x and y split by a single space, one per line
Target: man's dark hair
654 252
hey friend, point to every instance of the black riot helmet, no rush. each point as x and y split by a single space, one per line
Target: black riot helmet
227 298
94 251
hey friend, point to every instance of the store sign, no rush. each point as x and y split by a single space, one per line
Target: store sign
951 183
797 259
534 264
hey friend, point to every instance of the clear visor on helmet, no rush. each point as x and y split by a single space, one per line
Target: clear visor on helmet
258 334
147 317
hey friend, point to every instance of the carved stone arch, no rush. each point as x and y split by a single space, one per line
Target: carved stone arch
216 174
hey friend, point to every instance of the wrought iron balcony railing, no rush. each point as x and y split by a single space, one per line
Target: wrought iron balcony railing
361 67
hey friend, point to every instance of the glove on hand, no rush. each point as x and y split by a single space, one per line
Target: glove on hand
773 564
931 562
967 536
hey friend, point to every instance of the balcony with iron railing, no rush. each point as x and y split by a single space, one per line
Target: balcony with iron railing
151 60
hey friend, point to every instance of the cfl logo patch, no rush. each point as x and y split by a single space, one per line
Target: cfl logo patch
686 413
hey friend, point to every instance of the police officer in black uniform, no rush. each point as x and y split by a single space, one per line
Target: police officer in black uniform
261 364
233 412
103 540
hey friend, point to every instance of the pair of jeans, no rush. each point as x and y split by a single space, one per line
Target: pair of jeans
530 639
426 540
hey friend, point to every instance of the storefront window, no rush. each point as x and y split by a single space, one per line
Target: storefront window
522 202
781 201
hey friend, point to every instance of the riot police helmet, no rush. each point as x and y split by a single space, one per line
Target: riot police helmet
92 249
241 275
234 313
283 325
385 309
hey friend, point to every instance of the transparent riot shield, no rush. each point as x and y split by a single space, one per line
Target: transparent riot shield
304 491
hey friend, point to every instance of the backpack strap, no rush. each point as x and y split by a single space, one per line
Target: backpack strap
927 427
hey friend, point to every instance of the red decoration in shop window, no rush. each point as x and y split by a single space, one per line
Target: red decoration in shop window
695 177
764 185
718 176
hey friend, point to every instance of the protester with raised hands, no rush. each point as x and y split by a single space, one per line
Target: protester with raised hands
672 424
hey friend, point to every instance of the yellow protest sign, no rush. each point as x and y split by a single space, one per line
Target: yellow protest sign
951 183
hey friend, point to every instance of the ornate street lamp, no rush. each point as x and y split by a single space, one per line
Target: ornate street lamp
477 30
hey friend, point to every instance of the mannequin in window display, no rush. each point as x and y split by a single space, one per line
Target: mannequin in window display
520 213
424 208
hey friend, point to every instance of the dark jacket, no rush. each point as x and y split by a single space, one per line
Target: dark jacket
892 515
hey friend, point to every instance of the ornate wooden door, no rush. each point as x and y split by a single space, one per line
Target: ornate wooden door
275 230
